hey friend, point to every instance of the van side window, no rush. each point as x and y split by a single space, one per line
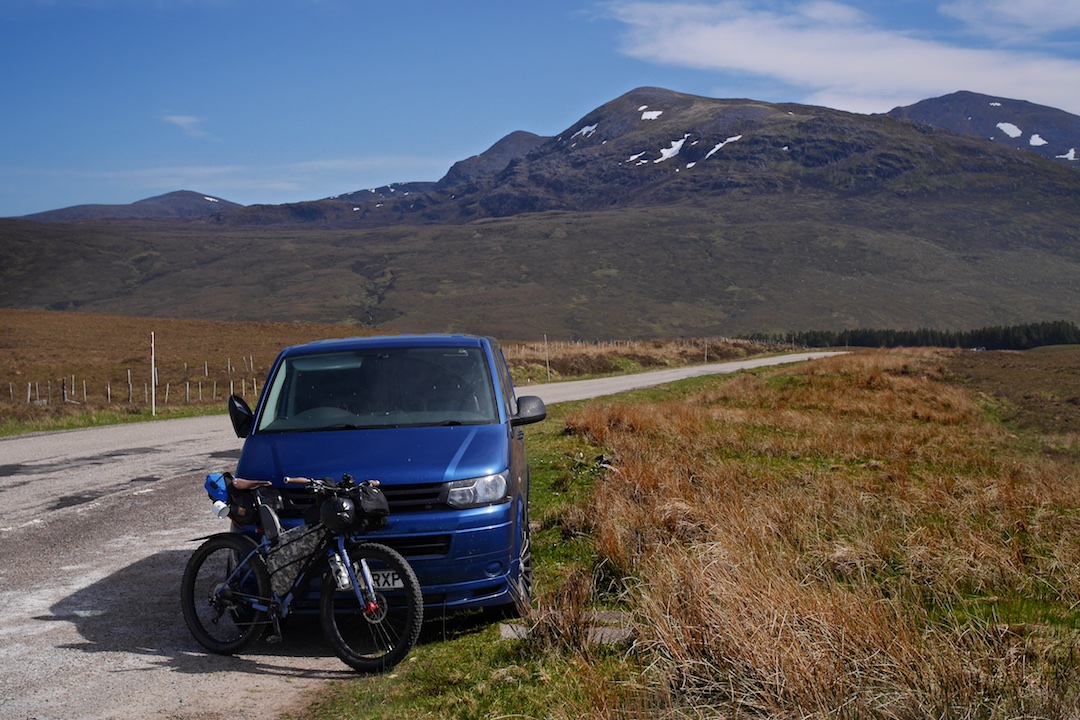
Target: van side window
505 384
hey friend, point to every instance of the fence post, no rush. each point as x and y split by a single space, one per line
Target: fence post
547 361
153 377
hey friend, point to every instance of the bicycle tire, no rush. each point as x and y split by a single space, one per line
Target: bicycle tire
377 639
216 615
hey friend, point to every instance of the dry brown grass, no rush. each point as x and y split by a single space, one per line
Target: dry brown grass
89 356
849 539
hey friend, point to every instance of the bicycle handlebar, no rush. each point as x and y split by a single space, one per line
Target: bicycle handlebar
347 481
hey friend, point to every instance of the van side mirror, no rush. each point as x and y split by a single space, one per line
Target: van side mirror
241 415
530 409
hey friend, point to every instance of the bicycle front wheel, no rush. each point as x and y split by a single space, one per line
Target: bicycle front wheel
379 634
221 581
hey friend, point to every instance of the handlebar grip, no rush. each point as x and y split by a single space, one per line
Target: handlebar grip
297 481
242 484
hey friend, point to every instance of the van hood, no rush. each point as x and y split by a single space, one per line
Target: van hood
393 456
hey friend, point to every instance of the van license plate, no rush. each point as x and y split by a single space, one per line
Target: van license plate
386 580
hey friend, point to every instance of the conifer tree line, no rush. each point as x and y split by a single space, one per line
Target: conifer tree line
1012 337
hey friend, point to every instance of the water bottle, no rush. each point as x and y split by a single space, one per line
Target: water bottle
341 573
221 509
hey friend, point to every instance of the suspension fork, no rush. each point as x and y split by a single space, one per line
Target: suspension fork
362 584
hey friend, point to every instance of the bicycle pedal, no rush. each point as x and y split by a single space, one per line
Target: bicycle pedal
273 639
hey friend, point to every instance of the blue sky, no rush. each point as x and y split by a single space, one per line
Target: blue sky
273 101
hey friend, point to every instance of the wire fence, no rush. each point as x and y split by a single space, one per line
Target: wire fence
173 384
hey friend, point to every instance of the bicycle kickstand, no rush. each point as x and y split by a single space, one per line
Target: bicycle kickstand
275 636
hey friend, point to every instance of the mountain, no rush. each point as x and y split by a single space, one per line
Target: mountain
1052 133
477 167
179 204
657 214
655 147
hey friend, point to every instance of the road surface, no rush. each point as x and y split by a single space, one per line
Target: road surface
95 528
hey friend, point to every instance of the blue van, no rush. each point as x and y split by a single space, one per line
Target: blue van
435 419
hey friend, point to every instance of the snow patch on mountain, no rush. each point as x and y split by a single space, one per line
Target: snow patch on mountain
670 152
586 132
1010 129
1037 141
720 145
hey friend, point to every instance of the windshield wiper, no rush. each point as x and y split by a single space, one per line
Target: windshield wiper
339 426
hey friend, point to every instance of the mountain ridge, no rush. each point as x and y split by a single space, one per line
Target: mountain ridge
1019 124
177 204
657 214
969 114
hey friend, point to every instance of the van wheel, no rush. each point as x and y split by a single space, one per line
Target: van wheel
523 589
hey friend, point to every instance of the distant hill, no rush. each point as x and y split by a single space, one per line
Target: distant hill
657 214
179 204
1052 133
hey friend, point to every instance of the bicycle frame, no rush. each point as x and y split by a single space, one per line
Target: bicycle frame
278 607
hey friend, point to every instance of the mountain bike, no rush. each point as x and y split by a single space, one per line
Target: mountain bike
234 588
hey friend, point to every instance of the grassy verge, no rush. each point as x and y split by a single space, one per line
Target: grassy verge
73 417
849 538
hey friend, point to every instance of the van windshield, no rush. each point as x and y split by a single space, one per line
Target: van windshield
392 387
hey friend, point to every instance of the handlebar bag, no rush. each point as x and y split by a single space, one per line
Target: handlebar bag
371 504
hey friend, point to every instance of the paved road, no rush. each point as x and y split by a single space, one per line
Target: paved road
584 389
95 528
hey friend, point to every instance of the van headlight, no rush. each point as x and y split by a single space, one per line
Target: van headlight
476 492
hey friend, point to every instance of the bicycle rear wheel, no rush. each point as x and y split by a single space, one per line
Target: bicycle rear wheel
378 636
221 580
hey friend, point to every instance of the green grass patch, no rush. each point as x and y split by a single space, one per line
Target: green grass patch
94 418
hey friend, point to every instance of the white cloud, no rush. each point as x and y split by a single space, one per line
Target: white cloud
838 55
1015 20
190 124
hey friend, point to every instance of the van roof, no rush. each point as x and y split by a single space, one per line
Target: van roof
385 341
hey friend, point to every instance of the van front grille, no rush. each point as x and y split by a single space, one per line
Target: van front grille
422 545
415 498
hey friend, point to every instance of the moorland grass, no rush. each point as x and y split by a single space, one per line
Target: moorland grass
849 538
